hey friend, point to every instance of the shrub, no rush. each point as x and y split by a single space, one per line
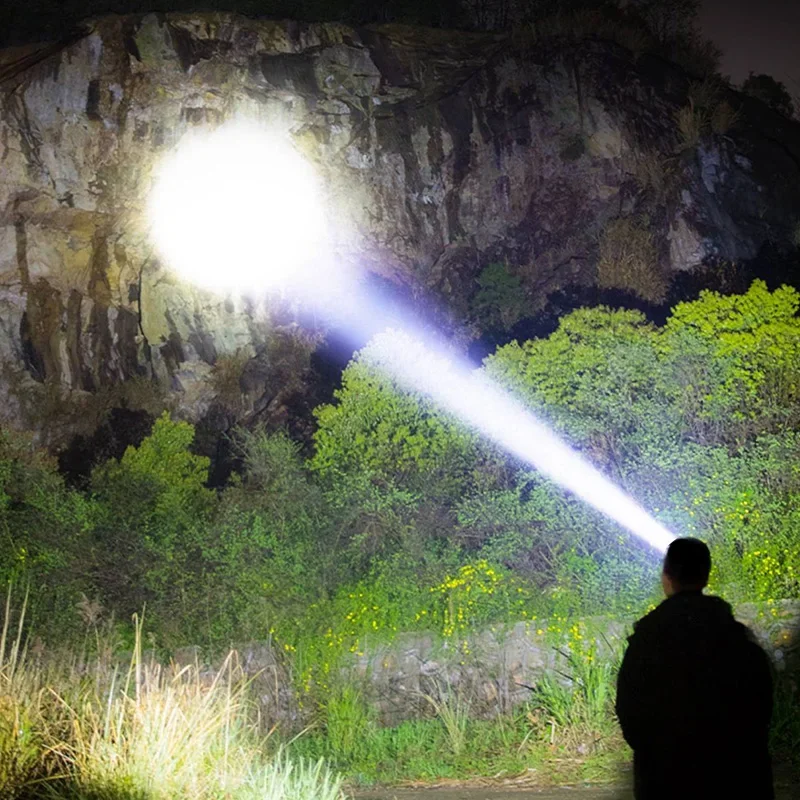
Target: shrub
500 299
393 436
152 508
46 531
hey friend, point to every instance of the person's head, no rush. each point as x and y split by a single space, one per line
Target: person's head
686 566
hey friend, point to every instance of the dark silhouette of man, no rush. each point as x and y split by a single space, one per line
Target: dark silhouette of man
694 693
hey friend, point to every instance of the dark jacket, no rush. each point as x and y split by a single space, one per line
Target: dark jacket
694 699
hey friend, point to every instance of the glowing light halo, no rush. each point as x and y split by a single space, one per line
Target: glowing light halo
474 398
237 209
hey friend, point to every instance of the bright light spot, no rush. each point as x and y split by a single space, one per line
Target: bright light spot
472 397
238 209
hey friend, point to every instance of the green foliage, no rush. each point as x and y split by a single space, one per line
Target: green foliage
500 299
580 376
569 723
579 701
45 530
692 418
452 707
405 520
735 359
269 550
392 436
347 721
153 507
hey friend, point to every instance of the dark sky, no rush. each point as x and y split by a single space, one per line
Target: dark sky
757 35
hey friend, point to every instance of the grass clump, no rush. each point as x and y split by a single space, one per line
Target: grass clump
578 703
452 708
142 732
654 174
692 121
629 260
707 111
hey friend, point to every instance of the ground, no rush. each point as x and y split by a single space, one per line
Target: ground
783 791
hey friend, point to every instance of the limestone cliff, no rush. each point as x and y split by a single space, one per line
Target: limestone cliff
440 153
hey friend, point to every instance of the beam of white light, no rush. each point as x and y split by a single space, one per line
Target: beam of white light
238 210
472 397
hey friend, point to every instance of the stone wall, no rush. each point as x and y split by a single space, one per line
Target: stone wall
496 668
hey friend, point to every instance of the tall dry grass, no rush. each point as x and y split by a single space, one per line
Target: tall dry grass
137 731
629 259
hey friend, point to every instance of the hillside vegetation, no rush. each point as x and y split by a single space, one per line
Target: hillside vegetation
402 519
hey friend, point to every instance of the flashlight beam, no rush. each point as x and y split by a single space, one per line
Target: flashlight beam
479 402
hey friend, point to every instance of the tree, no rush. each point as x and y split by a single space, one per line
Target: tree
734 363
696 419
154 509
45 533
669 20
394 436
770 91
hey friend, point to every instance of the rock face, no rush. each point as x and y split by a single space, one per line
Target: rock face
440 153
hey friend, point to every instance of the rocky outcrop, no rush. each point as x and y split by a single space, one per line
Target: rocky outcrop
440 153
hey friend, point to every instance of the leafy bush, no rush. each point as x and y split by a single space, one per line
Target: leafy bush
152 509
500 299
45 532
392 436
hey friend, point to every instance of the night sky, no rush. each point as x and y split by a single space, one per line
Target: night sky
757 35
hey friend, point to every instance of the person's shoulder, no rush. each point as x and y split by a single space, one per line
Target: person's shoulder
649 622
677 609
715 607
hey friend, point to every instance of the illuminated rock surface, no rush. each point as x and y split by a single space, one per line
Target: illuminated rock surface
440 153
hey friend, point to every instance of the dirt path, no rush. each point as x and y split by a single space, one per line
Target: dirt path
783 792
500 793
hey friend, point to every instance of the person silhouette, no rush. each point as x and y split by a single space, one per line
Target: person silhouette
694 693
